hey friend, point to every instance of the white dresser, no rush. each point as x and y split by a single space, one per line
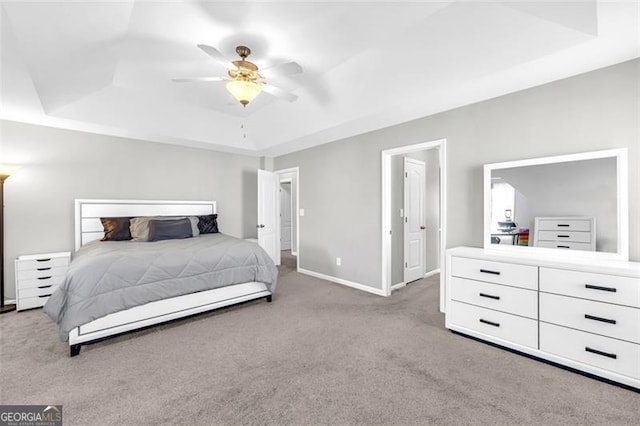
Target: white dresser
37 276
571 233
585 315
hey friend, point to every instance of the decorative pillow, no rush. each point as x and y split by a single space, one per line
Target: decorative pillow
116 228
208 224
169 229
140 226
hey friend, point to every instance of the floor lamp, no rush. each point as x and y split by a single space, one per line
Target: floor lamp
3 308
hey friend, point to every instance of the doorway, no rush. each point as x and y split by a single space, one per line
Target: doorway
289 223
413 214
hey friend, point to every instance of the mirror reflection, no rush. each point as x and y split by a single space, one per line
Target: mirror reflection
569 205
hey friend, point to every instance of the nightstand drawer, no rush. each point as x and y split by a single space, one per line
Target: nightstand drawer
564 224
602 352
512 328
523 276
46 262
37 291
568 236
40 282
569 245
620 322
32 302
41 273
599 287
512 300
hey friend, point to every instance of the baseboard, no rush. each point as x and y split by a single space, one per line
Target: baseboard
398 286
336 280
430 273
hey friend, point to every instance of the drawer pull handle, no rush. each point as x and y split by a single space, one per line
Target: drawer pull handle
563 225
489 296
45 278
597 287
495 324
597 352
43 260
563 246
45 286
488 271
43 269
563 236
608 321
45 295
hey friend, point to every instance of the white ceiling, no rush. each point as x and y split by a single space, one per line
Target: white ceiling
106 67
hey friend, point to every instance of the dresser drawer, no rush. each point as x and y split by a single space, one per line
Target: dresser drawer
568 236
566 245
32 302
564 224
620 322
515 275
602 352
517 301
599 287
511 328
46 262
36 291
41 273
40 282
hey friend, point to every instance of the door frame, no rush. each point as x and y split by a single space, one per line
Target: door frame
405 229
296 173
289 181
386 154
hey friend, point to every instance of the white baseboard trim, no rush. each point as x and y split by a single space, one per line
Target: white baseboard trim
430 273
398 286
336 280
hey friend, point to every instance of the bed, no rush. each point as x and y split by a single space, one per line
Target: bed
113 287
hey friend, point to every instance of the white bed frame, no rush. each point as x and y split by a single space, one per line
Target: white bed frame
89 228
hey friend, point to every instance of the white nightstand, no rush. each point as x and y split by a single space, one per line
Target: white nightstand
37 277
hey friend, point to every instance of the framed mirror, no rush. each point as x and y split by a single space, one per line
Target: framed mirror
570 205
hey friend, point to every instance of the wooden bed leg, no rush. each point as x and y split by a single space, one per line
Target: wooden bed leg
269 298
74 350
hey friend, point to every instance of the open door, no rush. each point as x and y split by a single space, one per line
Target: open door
269 214
414 228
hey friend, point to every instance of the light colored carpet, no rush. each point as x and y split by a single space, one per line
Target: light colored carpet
320 353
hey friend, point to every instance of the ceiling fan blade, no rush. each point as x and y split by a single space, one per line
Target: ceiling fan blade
215 54
279 93
190 79
287 68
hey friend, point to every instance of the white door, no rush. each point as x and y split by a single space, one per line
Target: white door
268 214
414 219
285 216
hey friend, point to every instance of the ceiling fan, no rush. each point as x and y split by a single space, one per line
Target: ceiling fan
244 80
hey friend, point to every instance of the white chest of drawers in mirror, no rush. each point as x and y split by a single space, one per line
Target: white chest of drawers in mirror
585 315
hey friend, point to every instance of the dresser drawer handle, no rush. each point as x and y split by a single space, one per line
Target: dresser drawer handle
43 269
563 225
495 324
559 246
488 271
489 296
45 295
597 287
45 286
591 317
43 260
45 278
597 352
563 236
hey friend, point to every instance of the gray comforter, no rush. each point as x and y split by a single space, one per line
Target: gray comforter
107 277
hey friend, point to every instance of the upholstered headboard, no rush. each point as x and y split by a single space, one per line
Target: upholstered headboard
88 213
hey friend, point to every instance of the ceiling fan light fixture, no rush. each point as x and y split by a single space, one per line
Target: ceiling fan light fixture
244 91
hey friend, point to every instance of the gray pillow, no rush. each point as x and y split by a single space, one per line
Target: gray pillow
140 226
169 229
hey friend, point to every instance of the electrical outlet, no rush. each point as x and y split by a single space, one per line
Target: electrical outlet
338 261
301 212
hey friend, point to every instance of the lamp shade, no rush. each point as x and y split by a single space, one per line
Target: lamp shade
7 169
244 91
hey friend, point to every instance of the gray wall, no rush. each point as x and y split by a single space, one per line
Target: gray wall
340 182
61 165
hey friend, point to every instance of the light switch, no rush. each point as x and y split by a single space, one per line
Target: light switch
301 212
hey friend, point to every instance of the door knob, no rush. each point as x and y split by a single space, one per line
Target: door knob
260 226
423 227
